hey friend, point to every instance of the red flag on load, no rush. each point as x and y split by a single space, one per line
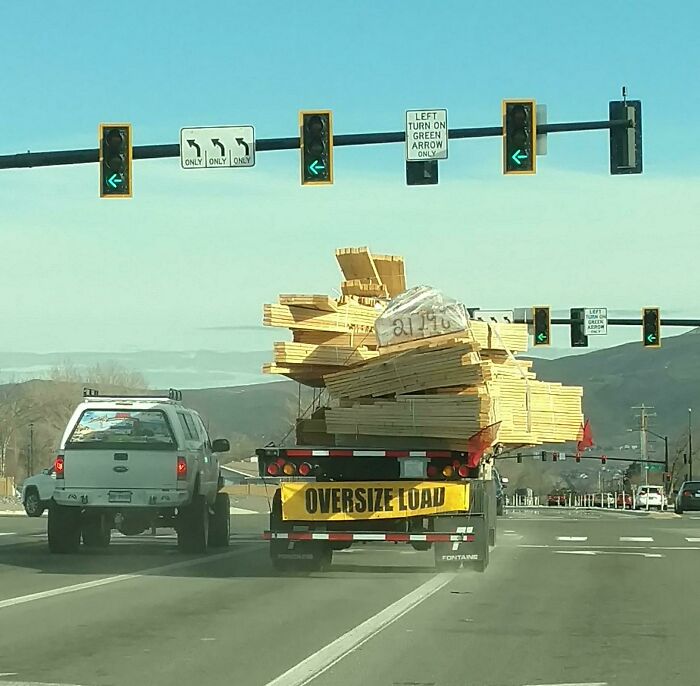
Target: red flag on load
586 439
479 442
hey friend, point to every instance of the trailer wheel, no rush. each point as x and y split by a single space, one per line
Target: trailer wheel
63 528
193 526
220 523
96 531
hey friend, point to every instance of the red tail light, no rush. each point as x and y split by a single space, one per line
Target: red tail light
273 469
687 494
181 468
59 466
304 469
463 471
432 471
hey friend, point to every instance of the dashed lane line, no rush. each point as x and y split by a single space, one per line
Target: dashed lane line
636 539
580 539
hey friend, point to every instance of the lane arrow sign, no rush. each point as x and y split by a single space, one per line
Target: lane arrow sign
216 141
315 167
115 180
193 144
518 156
242 142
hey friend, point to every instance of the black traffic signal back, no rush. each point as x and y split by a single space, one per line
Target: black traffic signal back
541 325
115 160
544 456
651 327
626 143
422 173
316 142
578 328
519 136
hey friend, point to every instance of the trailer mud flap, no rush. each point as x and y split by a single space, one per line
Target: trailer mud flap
301 555
473 554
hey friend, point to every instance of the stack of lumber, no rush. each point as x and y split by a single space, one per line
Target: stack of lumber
436 391
332 333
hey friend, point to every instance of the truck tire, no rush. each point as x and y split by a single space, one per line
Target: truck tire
63 529
220 523
33 505
96 531
193 526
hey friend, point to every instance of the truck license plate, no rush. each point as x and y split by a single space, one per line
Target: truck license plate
120 496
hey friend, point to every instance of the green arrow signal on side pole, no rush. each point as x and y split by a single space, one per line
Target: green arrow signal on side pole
518 156
651 338
541 337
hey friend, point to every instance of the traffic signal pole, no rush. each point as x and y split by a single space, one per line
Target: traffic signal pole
26 160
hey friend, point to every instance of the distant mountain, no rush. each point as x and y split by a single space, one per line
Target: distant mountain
195 369
617 379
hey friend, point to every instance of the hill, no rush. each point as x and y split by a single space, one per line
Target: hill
617 379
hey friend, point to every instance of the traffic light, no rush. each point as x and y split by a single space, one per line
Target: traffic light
115 160
544 456
651 327
555 457
519 458
541 325
422 173
316 142
578 335
626 142
604 460
519 136
578 458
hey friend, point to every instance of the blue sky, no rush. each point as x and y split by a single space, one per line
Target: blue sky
200 249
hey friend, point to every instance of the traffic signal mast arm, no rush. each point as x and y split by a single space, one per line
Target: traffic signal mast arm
149 152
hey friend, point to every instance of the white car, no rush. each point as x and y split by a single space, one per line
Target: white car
37 492
650 497
135 463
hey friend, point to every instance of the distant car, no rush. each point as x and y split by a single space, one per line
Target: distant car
556 499
688 497
624 501
603 500
37 491
650 497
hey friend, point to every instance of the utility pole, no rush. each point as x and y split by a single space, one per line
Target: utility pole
30 461
643 426
690 444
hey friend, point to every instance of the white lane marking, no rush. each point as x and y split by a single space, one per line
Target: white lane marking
509 531
616 547
242 511
606 552
96 583
692 539
7 533
326 657
636 539
576 552
581 539
31 683
460 530
577 683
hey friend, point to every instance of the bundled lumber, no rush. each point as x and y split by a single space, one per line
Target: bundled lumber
415 371
329 355
412 415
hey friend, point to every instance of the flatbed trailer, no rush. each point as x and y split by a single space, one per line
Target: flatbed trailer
332 498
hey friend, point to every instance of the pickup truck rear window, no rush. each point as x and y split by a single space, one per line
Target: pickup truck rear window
132 429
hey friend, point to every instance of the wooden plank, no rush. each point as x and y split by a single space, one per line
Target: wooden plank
342 321
364 287
318 302
351 339
392 273
357 263
329 355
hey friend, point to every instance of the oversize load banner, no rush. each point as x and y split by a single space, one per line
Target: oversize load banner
371 500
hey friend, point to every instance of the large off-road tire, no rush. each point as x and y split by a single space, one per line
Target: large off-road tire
96 530
193 526
64 529
220 522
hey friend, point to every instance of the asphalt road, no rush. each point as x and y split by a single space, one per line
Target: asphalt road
569 598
